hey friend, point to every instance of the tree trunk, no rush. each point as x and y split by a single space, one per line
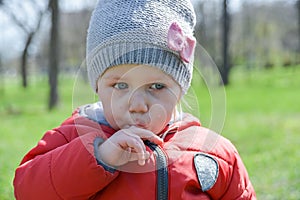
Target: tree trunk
24 60
226 57
30 33
298 8
54 54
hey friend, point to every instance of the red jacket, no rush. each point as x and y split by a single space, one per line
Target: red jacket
200 165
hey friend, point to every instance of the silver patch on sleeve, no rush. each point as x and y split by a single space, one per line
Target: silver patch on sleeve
207 170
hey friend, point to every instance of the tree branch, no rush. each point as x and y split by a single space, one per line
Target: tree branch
18 22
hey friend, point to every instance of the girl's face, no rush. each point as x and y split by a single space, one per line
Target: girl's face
138 95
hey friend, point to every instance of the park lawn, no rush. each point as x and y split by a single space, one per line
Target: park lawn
262 120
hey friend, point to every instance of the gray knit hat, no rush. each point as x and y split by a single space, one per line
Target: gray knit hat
151 32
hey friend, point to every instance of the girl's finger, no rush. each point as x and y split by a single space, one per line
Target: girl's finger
140 158
138 150
146 134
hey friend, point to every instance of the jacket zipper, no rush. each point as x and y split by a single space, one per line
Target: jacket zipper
162 171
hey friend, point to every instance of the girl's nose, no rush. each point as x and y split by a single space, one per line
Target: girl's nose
138 102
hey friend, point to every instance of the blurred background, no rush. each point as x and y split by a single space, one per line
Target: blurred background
254 43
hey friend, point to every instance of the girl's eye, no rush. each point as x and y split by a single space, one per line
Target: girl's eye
157 86
121 86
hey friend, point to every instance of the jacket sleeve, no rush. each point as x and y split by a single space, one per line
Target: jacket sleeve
62 166
240 186
233 181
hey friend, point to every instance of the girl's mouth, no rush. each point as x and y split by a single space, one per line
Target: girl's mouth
144 126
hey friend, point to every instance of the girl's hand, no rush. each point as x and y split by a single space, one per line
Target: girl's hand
127 145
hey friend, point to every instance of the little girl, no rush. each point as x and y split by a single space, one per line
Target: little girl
133 144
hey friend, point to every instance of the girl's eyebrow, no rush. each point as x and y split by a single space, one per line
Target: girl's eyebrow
111 77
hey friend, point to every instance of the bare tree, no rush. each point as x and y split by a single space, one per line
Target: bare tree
54 53
298 8
28 30
30 36
226 57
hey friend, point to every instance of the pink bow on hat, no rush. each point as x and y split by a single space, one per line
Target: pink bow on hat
178 41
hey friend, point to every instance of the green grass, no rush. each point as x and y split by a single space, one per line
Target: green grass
262 120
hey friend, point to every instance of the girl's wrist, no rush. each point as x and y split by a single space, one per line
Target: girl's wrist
97 143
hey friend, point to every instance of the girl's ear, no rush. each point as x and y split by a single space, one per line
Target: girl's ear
97 90
97 86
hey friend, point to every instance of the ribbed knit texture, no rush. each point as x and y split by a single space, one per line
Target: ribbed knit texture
135 32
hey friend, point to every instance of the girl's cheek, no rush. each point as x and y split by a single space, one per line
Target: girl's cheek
159 113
